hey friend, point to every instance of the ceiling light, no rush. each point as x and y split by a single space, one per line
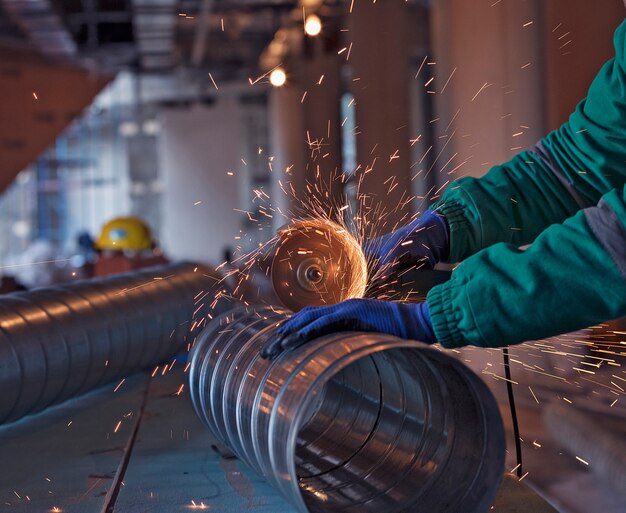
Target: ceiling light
312 25
278 77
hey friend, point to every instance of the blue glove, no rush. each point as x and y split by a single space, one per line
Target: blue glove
427 240
405 320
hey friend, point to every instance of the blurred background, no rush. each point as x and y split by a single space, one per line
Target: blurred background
164 109
196 127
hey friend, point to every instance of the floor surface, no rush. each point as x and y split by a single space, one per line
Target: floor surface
138 447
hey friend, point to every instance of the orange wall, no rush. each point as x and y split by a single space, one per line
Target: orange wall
29 125
570 69
532 83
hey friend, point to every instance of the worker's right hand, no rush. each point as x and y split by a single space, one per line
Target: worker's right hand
421 243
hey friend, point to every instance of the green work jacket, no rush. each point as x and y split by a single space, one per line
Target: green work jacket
566 198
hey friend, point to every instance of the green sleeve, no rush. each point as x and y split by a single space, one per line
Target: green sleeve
571 277
568 170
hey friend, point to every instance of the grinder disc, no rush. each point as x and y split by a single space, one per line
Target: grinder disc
318 262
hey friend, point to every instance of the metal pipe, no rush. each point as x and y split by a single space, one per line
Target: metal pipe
351 422
59 342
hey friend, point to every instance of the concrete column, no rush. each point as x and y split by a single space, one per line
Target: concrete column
287 132
578 40
200 151
379 35
305 134
518 70
488 83
321 78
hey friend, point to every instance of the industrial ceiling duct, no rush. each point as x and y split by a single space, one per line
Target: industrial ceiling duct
59 342
351 422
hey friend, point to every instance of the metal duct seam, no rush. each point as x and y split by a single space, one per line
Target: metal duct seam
352 422
59 342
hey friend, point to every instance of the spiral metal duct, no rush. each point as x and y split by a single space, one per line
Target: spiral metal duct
351 422
58 342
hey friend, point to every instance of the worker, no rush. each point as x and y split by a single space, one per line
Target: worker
565 197
125 244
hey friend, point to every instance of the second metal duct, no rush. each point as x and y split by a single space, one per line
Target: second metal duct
352 422
59 342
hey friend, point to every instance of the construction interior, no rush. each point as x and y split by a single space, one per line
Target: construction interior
252 148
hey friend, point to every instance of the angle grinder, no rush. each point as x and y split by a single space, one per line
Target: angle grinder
317 262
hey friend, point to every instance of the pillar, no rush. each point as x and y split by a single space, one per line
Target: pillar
488 85
379 60
305 133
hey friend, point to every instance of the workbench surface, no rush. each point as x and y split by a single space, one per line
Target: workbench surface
138 447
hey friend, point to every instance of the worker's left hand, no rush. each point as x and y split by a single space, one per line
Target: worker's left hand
405 320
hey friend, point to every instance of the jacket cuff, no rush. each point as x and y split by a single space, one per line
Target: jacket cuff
445 318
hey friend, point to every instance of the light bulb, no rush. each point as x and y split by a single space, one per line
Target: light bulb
278 77
312 25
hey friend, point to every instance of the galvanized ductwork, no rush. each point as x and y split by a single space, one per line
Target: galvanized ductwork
58 342
352 422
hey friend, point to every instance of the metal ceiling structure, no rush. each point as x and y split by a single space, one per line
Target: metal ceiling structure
223 36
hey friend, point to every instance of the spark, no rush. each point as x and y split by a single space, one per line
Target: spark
485 86
193 505
585 370
35 96
119 385
214 84
447 81
581 460
119 423
35 263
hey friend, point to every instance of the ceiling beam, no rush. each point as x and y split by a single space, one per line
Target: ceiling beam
40 23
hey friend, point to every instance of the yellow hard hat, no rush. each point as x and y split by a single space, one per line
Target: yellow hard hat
125 233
